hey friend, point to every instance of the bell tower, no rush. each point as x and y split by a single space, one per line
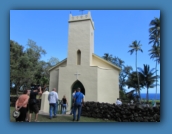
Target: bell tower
80 40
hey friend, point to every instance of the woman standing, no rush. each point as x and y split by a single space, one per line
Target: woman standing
64 104
21 105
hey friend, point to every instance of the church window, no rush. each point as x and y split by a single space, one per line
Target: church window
78 57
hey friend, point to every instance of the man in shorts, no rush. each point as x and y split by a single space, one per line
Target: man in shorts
33 104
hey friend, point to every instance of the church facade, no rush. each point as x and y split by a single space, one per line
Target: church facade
97 78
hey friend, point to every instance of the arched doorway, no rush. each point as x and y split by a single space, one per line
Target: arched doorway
78 84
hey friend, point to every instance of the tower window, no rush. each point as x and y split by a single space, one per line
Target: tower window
78 57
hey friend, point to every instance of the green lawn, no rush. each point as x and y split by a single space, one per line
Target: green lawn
150 101
60 118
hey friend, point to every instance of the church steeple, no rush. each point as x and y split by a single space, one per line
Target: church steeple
80 37
81 18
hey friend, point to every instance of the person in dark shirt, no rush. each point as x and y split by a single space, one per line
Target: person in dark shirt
64 104
33 105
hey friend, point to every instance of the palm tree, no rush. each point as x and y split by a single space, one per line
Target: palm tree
154 38
107 57
136 46
117 61
155 54
155 27
147 77
132 82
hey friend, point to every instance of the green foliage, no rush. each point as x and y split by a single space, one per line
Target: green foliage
126 70
155 27
136 46
123 95
17 64
53 61
147 77
132 81
26 67
155 53
154 38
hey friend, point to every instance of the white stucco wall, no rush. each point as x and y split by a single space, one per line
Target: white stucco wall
54 76
80 37
108 86
88 77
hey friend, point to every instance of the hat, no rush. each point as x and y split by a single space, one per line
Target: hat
16 114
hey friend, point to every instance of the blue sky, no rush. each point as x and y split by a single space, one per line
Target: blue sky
114 31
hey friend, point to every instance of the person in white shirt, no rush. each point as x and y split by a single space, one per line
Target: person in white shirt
118 102
53 98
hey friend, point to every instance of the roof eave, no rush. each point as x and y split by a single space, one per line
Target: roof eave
107 62
57 64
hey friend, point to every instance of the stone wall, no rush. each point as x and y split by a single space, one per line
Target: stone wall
123 113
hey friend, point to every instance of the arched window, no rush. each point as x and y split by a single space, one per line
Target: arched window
78 57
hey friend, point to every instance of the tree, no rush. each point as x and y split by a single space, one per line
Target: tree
136 46
147 77
16 52
53 61
118 62
34 53
155 27
123 76
154 38
155 54
37 51
132 82
107 57
43 74
24 64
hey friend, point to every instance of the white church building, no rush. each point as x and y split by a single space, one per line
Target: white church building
97 78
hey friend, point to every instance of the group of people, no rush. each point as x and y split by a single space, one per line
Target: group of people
77 102
53 101
28 104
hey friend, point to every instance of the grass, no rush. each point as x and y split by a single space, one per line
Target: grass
60 118
150 101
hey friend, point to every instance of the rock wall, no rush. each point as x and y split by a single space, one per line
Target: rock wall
123 113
